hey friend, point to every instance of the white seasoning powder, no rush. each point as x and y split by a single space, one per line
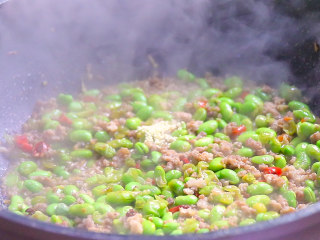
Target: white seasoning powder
159 133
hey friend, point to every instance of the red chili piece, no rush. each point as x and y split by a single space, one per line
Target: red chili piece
177 208
202 103
40 149
22 142
138 165
244 94
63 119
185 160
238 130
273 170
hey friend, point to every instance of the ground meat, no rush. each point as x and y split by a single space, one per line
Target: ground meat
134 223
193 126
40 207
277 125
251 169
229 128
196 183
315 137
204 204
183 116
121 156
188 191
172 158
275 206
243 189
226 147
267 89
256 146
270 107
274 180
58 134
188 212
111 126
46 181
245 209
235 161
298 176
201 156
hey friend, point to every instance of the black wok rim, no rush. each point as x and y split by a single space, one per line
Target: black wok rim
295 222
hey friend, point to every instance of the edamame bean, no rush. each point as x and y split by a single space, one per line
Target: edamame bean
173 174
141 148
226 111
247 221
33 185
81 210
217 212
148 227
260 188
216 164
267 216
258 199
185 75
81 153
27 167
203 142
200 114
120 197
144 112
313 151
80 136
309 195
229 175
180 145
160 176
245 152
263 159
105 149
208 127
186 200
102 136
133 123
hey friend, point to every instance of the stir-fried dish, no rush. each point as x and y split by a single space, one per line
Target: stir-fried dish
166 156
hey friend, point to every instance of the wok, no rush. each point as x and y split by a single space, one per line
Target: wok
37 62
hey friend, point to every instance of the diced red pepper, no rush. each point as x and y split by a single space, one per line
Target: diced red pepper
185 160
202 103
273 170
244 94
287 119
238 130
40 149
63 119
22 142
138 165
177 208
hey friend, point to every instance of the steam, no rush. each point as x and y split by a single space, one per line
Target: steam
116 36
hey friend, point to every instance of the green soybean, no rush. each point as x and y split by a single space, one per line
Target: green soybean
229 175
81 210
186 200
80 136
27 167
33 185
180 145
263 159
208 127
260 188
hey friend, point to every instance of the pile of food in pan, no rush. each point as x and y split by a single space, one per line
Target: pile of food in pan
166 156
